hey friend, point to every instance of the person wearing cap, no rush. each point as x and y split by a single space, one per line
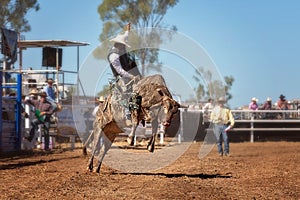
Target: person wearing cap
51 96
99 101
123 65
253 104
267 106
43 112
120 61
223 121
282 104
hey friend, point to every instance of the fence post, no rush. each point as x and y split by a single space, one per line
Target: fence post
162 133
18 112
1 111
252 131
180 130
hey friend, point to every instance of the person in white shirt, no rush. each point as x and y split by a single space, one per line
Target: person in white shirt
123 65
121 62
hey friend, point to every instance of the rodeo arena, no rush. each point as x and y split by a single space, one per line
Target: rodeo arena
152 155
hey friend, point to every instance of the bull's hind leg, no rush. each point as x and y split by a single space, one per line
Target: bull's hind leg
107 142
84 148
96 144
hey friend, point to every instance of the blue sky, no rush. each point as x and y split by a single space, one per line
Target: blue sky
257 42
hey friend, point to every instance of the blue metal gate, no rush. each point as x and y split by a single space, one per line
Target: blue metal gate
10 127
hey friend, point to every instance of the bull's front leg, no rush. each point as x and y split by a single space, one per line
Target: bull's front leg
151 144
132 139
134 121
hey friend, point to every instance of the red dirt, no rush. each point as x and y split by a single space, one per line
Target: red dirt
268 170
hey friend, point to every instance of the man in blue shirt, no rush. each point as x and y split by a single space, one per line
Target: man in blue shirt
49 90
51 97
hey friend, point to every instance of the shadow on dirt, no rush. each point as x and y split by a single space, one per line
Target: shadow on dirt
21 164
14 155
179 175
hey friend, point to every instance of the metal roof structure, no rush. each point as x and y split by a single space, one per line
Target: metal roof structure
23 44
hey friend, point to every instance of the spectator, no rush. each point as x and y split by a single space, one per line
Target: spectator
282 104
51 95
223 121
43 112
253 104
208 106
268 106
49 90
206 112
99 101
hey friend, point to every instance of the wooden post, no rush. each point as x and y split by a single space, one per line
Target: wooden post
252 131
161 132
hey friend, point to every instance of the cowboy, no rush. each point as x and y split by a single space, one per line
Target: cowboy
43 112
120 61
123 65
223 121
99 101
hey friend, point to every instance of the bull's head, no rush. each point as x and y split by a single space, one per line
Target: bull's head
170 106
170 109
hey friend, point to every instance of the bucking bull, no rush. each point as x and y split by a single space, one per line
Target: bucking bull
150 101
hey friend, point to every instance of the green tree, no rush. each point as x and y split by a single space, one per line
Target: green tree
229 82
141 14
215 88
13 12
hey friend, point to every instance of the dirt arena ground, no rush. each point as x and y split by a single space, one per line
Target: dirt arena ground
262 170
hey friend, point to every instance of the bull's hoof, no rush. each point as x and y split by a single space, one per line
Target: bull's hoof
150 148
84 151
97 171
130 141
89 169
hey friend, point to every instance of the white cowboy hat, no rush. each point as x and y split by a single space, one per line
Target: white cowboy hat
33 92
269 99
101 99
254 99
221 100
121 38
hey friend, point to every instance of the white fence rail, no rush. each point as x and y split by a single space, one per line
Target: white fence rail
284 118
